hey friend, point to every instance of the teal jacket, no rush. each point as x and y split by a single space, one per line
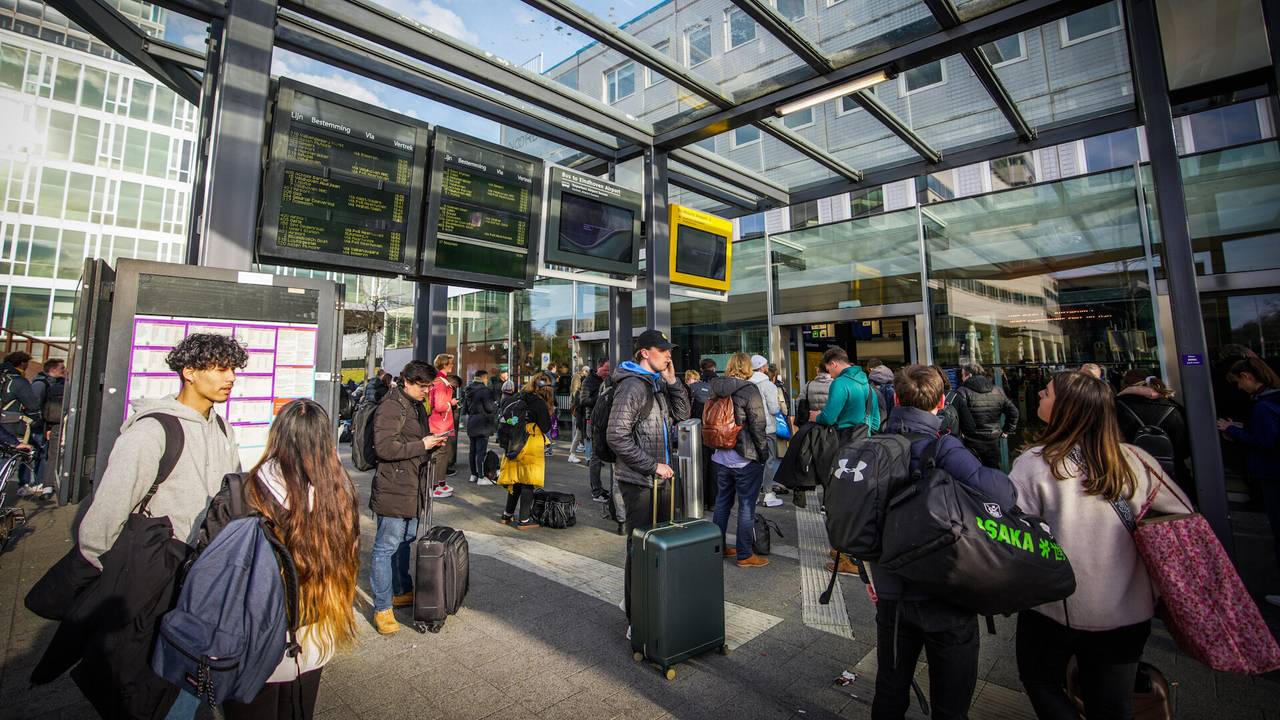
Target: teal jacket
847 405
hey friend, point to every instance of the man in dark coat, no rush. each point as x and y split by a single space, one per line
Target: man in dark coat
481 406
588 394
986 414
403 442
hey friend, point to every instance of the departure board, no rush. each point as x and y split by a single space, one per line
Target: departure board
483 212
345 184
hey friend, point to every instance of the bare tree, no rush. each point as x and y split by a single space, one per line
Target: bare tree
375 296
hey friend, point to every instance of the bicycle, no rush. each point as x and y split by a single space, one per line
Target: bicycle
12 458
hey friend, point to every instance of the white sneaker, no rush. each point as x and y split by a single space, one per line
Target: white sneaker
573 460
628 632
771 500
442 491
622 605
485 481
24 491
1274 600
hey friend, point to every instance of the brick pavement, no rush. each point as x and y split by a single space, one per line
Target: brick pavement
541 636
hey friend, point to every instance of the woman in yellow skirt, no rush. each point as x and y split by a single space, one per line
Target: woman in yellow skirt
527 471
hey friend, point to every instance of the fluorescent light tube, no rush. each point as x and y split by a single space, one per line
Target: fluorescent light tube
848 88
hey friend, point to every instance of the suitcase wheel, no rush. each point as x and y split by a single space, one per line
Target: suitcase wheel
670 674
420 627
637 656
724 650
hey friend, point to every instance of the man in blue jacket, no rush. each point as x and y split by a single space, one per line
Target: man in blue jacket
907 620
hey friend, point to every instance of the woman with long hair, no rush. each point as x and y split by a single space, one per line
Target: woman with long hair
527 471
301 486
1260 436
1145 401
1088 486
739 471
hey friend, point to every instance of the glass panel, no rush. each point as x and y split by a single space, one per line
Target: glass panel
850 30
544 316
44 250
13 64
93 88
1204 42
1114 150
867 261
708 329
71 255
1091 22
792 9
52 192
1233 208
741 30
1225 126
130 200
135 150
28 310
58 143
67 81
64 302
158 155
969 9
140 100
79 195
152 208
86 149
478 326
944 103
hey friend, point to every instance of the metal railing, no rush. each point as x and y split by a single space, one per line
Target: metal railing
39 349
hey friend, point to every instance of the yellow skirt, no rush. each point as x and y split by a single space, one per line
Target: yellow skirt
529 467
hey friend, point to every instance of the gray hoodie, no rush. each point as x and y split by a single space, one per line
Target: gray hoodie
183 498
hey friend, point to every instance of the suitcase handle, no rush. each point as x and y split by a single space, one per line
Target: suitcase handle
672 516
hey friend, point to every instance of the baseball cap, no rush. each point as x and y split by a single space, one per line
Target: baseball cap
653 338
758 362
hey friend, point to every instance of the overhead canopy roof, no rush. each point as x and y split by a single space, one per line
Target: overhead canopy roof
942 82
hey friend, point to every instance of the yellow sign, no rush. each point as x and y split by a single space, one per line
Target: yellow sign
701 249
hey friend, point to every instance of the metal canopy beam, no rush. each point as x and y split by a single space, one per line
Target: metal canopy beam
997 24
182 56
406 35
711 191
777 26
206 10
944 11
798 142
717 167
878 110
306 37
108 25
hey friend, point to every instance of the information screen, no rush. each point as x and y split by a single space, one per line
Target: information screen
344 186
701 249
592 224
700 253
482 214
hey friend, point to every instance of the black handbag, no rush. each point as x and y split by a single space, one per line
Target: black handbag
554 509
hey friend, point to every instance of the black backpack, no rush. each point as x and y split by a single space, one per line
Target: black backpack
492 464
762 535
363 456
1153 439
554 509
864 475
513 430
600 419
950 540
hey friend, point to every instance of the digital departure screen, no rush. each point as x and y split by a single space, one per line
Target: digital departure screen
700 253
701 249
483 212
345 184
592 224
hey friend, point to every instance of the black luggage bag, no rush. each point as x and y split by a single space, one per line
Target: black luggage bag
442 574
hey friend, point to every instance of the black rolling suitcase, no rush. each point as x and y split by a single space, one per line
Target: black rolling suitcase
442 575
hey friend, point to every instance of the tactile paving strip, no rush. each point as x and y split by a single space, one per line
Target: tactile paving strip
811 540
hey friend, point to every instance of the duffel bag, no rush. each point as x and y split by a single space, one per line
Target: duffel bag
554 509
951 541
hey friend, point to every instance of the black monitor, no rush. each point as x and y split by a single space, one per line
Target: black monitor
592 224
484 206
344 185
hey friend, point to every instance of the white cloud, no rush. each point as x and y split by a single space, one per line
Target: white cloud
434 16
331 82
193 40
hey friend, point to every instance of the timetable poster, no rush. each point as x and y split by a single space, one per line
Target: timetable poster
282 367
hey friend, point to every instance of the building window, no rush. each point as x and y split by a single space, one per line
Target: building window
1090 24
922 78
745 135
740 28
1225 126
790 9
751 226
1104 152
620 82
652 78
866 202
804 215
569 79
697 45
708 144
799 119
1012 171
1005 50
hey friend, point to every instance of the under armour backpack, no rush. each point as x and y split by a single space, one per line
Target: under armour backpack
513 426
363 456
864 474
600 419
951 541
1153 439
235 619
719 428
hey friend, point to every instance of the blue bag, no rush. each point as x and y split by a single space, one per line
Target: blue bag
784 427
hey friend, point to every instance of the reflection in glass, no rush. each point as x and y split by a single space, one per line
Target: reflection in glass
703 328
1233 208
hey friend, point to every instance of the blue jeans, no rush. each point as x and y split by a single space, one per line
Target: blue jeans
745 482
389 561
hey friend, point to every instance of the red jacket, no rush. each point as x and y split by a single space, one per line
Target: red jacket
440 400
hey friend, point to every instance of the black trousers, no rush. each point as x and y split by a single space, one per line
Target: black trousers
1108 662
949 638
524 494
477 449
637 501
453 452
276 701
988 452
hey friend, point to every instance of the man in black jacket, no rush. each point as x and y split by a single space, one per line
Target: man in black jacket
482 411
981 406
588 394
648 401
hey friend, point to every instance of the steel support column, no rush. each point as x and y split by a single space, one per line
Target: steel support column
1271 12
657 242
619 325
199 173
229 219
430 320
1179 265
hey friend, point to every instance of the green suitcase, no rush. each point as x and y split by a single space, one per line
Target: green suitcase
677 592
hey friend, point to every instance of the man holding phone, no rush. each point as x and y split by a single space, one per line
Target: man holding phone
404 444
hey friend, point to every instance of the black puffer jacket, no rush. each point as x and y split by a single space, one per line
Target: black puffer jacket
482 410
638 438
980 404
1133 411
748 411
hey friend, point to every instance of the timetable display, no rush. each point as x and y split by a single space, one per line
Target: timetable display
483 212
344 186
592 224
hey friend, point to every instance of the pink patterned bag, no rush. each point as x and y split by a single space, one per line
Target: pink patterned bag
1204 604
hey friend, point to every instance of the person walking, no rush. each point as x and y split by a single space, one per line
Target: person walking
740 471
575 411
482 413
987 415
527 471
301 486
402 485
1146 401
595 464
648 401
443 405
1260 437
1084 482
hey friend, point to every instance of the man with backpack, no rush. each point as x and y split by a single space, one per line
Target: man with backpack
881 378
908 620
986 414
403 441
49 387
645 402
590 393
21 412
847 403
482 411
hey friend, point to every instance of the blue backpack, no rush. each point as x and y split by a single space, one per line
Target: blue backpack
236 618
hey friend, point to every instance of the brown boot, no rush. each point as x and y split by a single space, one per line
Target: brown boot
731 552
404 599
753 561
385 622
847 566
